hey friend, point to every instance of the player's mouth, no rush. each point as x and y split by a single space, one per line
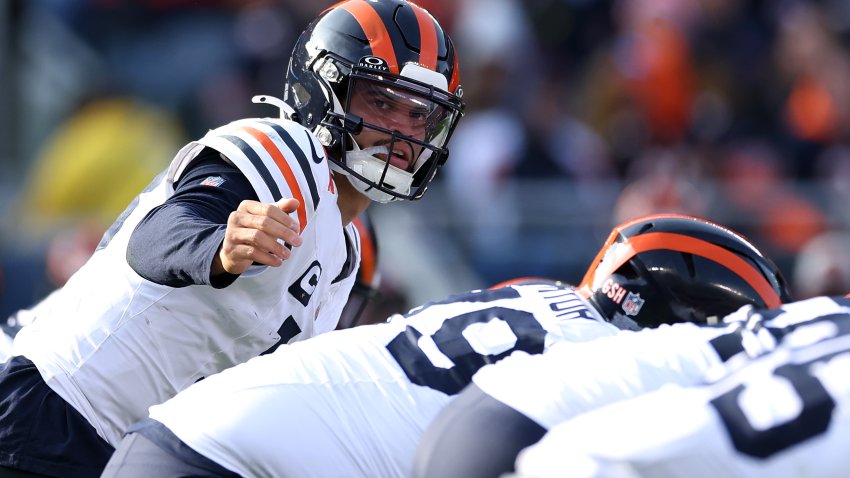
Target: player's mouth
401 157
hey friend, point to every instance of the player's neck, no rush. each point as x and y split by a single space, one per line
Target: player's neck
351 202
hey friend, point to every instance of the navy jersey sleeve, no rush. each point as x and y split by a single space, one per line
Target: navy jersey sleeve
176 242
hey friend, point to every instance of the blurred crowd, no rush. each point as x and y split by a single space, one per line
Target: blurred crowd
580 114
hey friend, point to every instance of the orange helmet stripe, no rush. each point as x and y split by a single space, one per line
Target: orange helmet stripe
427 38
686 244
455 81
612 238
375 30
367 252
284 168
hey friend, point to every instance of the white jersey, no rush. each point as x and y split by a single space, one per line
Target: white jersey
784 414
112 343
570 379
355 402
5 346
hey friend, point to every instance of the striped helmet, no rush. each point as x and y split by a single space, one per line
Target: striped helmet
377 81
671 268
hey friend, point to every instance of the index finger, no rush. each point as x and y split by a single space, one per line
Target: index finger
282 210
272 211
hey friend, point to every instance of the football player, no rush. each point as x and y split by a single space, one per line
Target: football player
242 243
355 402
511 404
779 410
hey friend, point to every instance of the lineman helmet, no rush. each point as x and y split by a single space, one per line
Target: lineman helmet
670 268
377 81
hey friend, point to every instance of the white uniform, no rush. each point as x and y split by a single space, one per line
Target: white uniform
783 414
355 402
570 379
112 343
5 346
549 389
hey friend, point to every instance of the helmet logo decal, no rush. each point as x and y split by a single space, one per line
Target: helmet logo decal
613 290
632 304
374 63
374 29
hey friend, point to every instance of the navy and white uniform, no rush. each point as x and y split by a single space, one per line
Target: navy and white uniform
780 409
114 341
355 402
512 404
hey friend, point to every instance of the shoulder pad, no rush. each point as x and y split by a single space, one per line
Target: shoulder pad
281 158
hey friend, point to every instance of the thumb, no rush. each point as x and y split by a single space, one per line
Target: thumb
288 205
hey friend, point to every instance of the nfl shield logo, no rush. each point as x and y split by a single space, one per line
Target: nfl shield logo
214 181
632 304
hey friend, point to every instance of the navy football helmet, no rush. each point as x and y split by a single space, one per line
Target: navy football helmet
378 83
669 268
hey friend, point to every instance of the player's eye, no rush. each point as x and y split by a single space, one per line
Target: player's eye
380 104
418 115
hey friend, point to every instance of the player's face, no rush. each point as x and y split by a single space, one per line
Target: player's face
394 110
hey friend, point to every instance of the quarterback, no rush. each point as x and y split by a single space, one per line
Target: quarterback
242 243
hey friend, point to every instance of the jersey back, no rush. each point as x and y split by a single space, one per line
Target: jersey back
782 412
355 402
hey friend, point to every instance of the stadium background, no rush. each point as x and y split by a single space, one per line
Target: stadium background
580 114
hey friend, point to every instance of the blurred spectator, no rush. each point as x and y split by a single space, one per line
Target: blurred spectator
95 163
823 266
755 184
664 181
654 58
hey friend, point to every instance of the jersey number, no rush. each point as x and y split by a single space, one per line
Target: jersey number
450 341
815 411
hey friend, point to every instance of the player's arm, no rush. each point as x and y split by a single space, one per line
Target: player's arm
488 434
181 242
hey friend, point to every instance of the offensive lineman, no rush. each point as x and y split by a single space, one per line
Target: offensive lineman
355 402
240 244
775 413
512 404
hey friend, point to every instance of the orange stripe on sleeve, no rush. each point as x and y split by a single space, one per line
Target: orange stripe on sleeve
284 168
367 253
376 31
690 245
427 38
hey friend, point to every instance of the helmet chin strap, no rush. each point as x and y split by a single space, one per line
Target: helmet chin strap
364 163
